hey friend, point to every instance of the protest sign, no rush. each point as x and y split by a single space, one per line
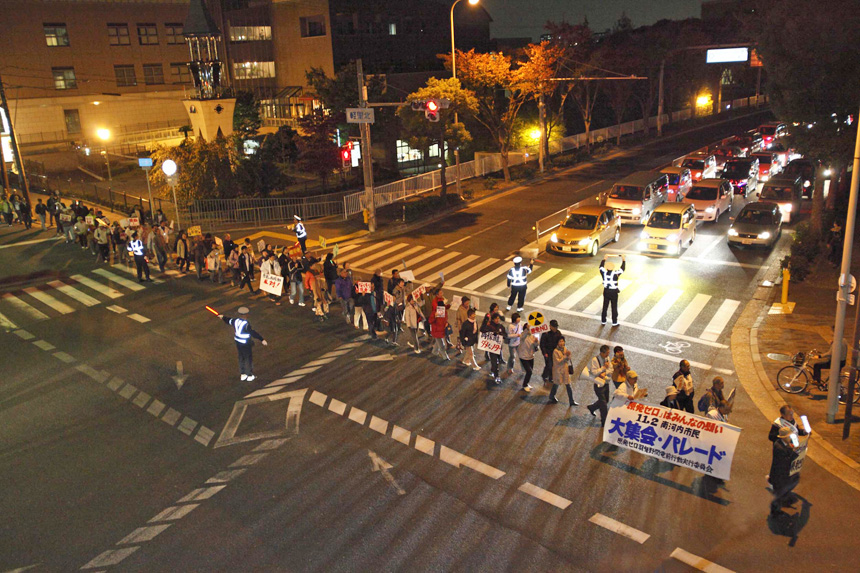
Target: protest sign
389 298
67 218
797 464
440 311
261 246
407 276
538 323
295 251
322 241
701 444
489 342
90 220
335 251
363 287
273 284
135 222
194 231
419 292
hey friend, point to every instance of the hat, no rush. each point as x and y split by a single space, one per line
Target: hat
518 260
671 391
297 218
243 310
632 374
609 266
784 432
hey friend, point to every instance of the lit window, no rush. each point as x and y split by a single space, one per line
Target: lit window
56 35
392 29
312 26
64 78
253 70
118 34
406 153
174 33
125 76
153 74
180 74
147 34
250 33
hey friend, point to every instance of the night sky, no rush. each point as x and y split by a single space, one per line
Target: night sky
522 18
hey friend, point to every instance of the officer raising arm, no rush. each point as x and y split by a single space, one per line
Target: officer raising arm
517 281
609 274
243 334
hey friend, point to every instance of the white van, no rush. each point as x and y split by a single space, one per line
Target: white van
635 197
701 165
711 198
670 228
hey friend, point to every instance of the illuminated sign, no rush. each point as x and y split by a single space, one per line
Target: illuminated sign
727 55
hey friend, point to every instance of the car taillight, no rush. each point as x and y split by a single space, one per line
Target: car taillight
698 174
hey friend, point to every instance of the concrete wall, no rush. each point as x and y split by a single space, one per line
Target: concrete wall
295 55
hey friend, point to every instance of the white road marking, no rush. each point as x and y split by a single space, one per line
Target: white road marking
320 362
544 495
581 293
24 335
97 286
456 459
596 305
141 400
74 293
457 264
283 381
22 306
248 460
227 475
204 435
489 276
542 278
435 263
683 322
111 557
202 493
174 512
337 407
711 247
685 259
347 248
378 425
187 425
171 417
558 287
471 271
619 528
378 255
303 371
116 309
48 300
44 345
697 562
133 272
412 261
130 285
358 416
475 234
636 299
142 534
720 319
396 258
156 408
6 324
362 251
402 435
424 445
138 318
662 307
317 398
33 242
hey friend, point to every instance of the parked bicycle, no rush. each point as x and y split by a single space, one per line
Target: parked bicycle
795 377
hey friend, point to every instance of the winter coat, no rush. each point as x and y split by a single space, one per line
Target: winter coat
469 333
548 341
461 318
330 271
182 249
412 315
780 465
343 287
527 347
560 374
438 324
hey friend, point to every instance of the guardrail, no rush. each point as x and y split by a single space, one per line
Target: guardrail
211 213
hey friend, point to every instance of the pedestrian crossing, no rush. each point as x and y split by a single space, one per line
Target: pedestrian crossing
650 306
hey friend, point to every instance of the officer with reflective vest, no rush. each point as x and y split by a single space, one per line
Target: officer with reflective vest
136 248
301 233
517 281
610 275
243 334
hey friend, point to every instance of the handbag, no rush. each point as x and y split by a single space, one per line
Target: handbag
569 367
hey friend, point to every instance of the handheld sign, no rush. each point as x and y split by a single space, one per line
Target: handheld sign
489 342
419 292
407 276
90 220
322 241
801 446
261 245
538 323
295 251
67 217
335 251
135 222
194 231
363 287
440 311
389 298
273 284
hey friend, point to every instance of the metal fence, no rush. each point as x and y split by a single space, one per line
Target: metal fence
212 213
116 201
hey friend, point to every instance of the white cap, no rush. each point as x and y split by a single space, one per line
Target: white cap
518 260
243 310
297 218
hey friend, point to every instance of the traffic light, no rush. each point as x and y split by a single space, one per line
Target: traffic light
431 110
346 155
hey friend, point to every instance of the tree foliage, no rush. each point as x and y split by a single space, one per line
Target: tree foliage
318 152
206 170
246 115
341 91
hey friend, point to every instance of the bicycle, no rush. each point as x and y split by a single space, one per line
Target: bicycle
794 378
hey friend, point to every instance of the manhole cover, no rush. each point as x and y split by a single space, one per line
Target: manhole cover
779 357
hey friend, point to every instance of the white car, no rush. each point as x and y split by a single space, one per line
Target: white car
670 228
711 198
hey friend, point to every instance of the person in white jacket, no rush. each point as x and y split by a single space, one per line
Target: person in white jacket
515 330
413 317
271 267
628 391
213 263
600 372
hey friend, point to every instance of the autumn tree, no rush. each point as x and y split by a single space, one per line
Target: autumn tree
318 152
421 132
206 170
538 75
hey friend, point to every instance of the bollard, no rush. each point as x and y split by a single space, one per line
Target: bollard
786 276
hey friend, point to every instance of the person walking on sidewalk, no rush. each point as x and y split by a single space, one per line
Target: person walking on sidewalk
330 274
136 248
712 396
561 372
609 275
671 399
469 339
548 342
526 353
102 237
683 381
301 234
785 420
41 211
600 371
461 317
343 288
213 263
244 336
182 252
517 280
620 367
439 324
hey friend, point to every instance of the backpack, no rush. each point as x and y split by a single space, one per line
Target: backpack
704 402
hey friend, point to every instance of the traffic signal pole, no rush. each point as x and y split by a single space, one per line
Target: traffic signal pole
366 155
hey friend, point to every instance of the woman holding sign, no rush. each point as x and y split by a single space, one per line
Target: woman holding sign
561 371
439 324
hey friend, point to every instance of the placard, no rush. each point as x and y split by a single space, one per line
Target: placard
273 284
389 298
322 241
194 231
134 222
67 217
335 251
797 464
407 276
538 323
219 242
295 252
441 311
363 287
489 342
261 246
90 220
418 293
701 444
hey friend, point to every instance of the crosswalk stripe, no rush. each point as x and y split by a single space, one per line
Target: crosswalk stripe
6 324
97 286
597 304
31 311
363 262
396 258
580 293
558 287
74 293
633 302
489 276
662 307
133 272
457 264
435 263
47 299
470 271
131 285
720 320
542 278
346 249
412 261
683 322
363 251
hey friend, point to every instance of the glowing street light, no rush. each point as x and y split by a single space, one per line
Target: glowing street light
535 133
168 167
454 75
104 135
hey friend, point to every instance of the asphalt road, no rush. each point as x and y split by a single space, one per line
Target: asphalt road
328 462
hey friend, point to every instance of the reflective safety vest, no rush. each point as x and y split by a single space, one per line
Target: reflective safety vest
240 331
517 276
610 278
300 231
136 247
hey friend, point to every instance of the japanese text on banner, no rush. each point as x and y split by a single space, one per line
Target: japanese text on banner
489 342
194 231
273 284
363 287
419 292
135 222
389 298
698 443
797 464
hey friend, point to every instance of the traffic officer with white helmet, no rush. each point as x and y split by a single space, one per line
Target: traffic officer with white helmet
517 281
609 274
243 334
301 233
136 248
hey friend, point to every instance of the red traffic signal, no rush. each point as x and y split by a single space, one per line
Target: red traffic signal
346 156
432 105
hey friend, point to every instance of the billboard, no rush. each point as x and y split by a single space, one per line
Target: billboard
727 55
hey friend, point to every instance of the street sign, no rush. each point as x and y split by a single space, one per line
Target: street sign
727 55
538 323
359 115
144 162
841 298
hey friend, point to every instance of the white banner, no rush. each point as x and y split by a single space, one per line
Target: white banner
797 464
488 342
135 222
273 284
698 443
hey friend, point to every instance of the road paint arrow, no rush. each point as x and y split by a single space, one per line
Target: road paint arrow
294 399
380 358
180 377
380 465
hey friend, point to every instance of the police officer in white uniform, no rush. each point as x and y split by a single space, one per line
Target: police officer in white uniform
517 281
243 334
610 275
301 233
136 248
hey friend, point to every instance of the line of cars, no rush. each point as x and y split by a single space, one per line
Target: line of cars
669 202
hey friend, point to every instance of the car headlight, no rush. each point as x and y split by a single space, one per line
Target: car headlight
765 235
709 209
672 238
786 208
636 210
733 233
553 238
585 242
644 235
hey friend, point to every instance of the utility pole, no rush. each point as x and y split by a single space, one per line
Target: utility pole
660 100
844 290
366 156
19 162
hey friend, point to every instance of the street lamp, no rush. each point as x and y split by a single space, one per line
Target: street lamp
168 167
104 135
454 75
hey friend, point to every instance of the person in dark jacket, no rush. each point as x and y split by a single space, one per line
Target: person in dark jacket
392 282
378 288
548 342
246 269
494 326
469 339
344 289
330 273
200 254
785 420
784 453
244 336
229 245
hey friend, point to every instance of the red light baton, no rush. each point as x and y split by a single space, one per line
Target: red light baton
212 310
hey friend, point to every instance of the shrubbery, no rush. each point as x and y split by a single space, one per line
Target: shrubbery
805 249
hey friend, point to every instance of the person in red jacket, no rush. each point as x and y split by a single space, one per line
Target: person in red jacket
439 324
